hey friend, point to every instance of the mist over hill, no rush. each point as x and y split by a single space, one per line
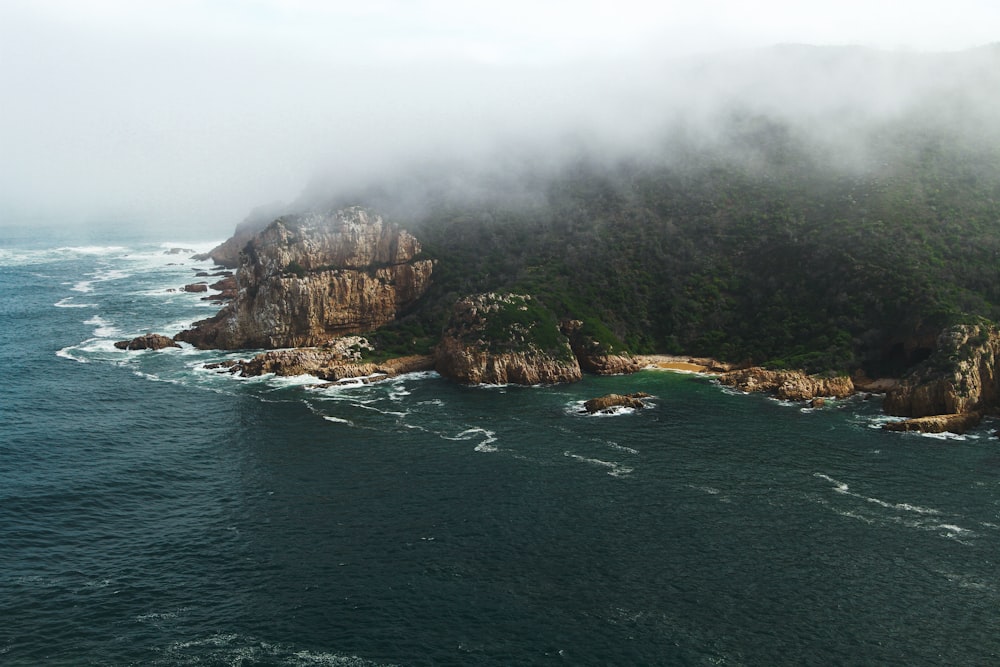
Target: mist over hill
823 208
803 206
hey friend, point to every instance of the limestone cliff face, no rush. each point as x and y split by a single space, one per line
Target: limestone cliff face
306 279
502 339
788 385
959 377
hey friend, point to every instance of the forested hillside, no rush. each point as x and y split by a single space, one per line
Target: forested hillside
761 243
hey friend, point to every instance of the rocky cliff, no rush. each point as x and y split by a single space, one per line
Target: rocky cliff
306 279
959 377
501 339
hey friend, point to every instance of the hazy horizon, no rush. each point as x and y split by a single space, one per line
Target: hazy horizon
190 114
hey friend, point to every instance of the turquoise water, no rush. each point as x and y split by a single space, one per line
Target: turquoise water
154 512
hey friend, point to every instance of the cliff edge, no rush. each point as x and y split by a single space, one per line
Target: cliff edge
305 279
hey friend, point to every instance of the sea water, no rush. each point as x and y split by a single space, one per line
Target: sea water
153 511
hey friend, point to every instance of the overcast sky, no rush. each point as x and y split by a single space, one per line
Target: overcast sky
191 113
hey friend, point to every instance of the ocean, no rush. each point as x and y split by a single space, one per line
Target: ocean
154 512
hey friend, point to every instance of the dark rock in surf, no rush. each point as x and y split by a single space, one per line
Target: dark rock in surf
608 403
150 341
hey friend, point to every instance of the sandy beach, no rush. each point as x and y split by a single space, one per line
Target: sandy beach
682 363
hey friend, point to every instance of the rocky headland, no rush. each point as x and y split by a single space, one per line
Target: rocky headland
954 387
303 280
504 338
306 283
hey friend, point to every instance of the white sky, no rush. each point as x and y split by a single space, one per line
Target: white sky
181 108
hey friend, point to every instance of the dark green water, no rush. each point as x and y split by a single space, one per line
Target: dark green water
153 512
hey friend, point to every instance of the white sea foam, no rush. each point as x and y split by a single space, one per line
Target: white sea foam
576 409
104 328
615 469
965 581
398 393
281 381
957 530
90 250
437 402
622 448
839 486
485 445
338 420
68 353
27 257
65 303
83 286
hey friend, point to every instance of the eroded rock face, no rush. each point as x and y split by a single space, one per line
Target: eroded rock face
504 339
306 279
788 385
959 377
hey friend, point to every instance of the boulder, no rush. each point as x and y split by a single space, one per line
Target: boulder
611 401
196 287
150 341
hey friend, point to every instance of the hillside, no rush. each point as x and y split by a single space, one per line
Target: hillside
771 242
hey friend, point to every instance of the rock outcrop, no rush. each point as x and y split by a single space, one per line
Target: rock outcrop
306 279
788 385
502 339
955 423
226 289
959 377
328 366
150 341
608 403
595 357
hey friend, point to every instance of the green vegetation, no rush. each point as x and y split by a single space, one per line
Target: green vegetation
779 256
520 323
